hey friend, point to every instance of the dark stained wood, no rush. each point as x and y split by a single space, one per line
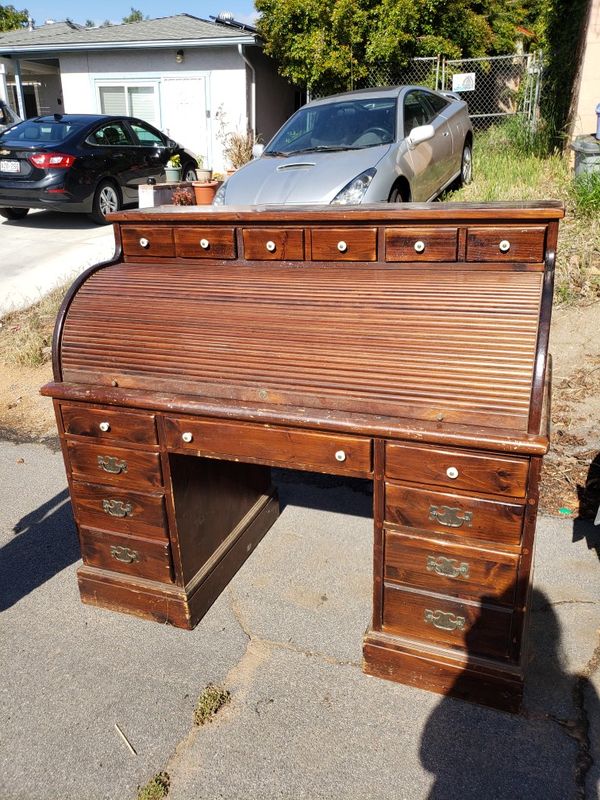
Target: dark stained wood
526 244
127 426
158 238
118 466
145 512
541 358
273 244
449 568
333 453
476 628
454 514
344 244
439 244
220 242
145 558
457 469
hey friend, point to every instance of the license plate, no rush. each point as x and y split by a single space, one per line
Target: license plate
10 166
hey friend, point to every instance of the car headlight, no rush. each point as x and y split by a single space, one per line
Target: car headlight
353 192
219 198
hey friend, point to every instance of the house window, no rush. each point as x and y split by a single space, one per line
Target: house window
130 100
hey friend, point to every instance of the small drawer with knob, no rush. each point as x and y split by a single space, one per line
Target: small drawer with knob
143 558
193 241
273 244
145 240
109 424
517 244
122 510
264 444
117 466
450 568
457 469
344 244
421 244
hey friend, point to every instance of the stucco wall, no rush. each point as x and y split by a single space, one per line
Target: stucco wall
222 68
589 88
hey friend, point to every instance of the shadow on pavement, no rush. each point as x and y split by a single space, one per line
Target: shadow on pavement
53 220
299 488
45 543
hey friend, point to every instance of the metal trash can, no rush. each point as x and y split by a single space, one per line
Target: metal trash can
587 154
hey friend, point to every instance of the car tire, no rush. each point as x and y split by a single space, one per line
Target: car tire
466 165
399 194
188 172
14 213
107 199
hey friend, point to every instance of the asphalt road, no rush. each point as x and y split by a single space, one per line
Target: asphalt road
44 250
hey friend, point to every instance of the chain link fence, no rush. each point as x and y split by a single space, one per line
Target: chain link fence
495 87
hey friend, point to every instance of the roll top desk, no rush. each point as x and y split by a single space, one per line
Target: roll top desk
406 344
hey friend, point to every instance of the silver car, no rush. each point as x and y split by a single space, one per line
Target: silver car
392 145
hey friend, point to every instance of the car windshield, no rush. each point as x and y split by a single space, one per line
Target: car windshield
341 125
40 132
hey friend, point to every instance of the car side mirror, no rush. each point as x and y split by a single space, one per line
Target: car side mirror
257 150
420 134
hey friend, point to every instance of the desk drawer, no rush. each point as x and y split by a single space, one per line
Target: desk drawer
454 514
479 629
450 569
109 424
114 465
146 240
421 244
120 510
194 241
344 244
143 558
457 469
274 244
286 447
506 244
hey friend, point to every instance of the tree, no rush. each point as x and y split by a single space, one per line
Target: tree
332 43
135 16
11 19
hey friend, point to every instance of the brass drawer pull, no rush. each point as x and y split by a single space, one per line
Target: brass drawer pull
271 246
342 246
448 567
204 244
340 455
104 427
124 554
504 246
144 242
187 437
452 473
117 508
419 246
450 517
112 464
443 620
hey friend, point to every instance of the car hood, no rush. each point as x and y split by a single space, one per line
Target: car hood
302 178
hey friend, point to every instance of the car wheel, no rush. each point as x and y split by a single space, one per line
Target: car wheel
14 213
188 172
466 165
106 200
399 194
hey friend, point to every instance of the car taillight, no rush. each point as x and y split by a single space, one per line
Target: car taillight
51 160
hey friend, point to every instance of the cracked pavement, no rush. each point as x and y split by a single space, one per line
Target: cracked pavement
285 639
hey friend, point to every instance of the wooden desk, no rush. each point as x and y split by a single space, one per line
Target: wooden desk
405 344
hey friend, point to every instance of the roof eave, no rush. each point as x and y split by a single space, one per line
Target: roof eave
36 49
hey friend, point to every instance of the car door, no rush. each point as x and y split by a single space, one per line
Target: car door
110 150
152 151
431 160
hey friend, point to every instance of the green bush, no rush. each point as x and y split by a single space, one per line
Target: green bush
585 194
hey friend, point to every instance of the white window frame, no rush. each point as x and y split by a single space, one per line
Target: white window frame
131 84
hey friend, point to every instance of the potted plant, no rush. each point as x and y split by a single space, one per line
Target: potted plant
238 148
203 174
183 196
204 191
173 169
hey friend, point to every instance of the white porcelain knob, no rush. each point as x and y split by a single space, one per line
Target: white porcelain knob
271 246
452 472
187 437
104 427
342 246
144 242
419 246
204 244
504 246
340 455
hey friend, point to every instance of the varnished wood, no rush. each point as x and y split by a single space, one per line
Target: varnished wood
284 245
526 244
344 244
158 237
125 426
219 243
145 518
144 558
439 244
118 466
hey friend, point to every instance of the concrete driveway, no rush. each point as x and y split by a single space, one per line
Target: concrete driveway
44 250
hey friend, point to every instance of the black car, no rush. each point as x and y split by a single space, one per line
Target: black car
88 163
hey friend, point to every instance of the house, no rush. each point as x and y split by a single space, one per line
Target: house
194 79
588 92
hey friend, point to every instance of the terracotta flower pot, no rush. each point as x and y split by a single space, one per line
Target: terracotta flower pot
205 192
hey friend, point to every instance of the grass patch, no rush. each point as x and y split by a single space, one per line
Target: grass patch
156 789
210 701
26 336
511 164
